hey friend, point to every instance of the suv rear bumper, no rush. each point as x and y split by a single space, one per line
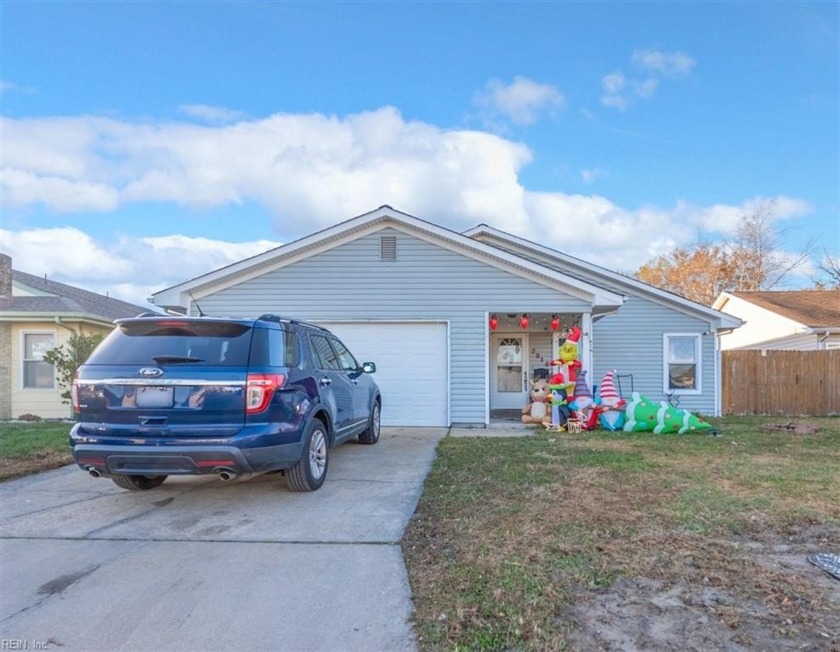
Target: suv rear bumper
184 460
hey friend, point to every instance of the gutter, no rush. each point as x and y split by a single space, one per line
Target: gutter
53 318
65 326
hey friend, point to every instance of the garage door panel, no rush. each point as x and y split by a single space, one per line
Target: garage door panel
411 367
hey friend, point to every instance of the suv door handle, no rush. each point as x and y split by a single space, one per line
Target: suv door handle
326 381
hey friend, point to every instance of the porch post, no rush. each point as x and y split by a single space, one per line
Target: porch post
586 344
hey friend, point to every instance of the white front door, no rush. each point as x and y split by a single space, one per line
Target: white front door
508 371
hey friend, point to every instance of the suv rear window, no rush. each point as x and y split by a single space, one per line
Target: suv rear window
175 342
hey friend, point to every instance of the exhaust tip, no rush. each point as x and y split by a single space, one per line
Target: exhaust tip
227 475
93 472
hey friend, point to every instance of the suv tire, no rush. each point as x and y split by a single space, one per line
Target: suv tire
371 435
311 470
138 482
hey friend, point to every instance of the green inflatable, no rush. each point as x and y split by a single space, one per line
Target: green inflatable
644 415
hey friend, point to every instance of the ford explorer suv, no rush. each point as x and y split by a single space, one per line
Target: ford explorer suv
165 396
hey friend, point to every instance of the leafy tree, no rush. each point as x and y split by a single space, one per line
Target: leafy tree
68 357
699 273
752 260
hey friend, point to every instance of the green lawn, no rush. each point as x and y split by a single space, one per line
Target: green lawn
31 447
512 536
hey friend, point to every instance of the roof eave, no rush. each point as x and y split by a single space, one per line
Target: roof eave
723 320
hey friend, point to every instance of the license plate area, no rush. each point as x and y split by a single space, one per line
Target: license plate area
155 397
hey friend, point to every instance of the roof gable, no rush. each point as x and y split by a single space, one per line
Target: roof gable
383 217
810 308
592 273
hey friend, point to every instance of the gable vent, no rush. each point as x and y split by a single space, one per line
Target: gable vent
388 247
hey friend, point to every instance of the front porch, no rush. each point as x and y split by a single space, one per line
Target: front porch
521 346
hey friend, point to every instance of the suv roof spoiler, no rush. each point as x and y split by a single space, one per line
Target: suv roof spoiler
277 319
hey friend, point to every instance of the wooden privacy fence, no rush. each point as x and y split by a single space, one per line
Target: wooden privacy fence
781 382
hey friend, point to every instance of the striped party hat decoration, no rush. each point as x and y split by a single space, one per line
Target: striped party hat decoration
607 392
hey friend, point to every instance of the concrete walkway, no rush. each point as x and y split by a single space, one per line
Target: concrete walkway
201 565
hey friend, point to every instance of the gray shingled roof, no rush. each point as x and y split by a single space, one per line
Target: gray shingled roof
68 299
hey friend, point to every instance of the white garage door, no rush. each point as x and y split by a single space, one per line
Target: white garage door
411 369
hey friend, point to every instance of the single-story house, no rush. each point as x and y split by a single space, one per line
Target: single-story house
802 320
422 301
36 315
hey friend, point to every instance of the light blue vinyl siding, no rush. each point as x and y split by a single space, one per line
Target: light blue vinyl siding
540 351
426 282
631 341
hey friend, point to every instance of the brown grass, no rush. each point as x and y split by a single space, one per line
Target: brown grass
507 564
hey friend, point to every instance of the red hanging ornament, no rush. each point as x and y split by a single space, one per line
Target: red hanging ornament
555 323
524 322
494 323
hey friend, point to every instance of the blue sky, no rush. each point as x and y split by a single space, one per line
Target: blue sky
147 142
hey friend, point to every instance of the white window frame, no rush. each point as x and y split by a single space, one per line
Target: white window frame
24 360
698 351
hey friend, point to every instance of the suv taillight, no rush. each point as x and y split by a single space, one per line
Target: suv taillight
74 395
260 389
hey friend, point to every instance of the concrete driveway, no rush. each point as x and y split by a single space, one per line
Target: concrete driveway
198 564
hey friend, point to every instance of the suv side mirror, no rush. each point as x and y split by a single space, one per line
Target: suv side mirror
368 367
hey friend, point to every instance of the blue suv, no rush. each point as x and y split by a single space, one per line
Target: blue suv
165 396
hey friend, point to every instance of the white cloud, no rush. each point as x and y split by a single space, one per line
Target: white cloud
591 176
521 102
211 114
620 92
66 252
301 166
311 171
130 268
724 218
670 64
60 194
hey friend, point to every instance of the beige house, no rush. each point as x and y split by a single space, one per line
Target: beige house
36 315
804 320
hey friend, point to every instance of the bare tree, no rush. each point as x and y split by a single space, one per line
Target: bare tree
831 269
760 262
753 260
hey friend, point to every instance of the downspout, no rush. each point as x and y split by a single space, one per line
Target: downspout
718 375
822 340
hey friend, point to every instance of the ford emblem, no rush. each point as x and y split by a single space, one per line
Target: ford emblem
150 372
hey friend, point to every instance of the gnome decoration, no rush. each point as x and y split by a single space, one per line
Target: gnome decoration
583 404
611 404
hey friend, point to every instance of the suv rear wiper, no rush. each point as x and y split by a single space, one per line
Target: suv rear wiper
163 359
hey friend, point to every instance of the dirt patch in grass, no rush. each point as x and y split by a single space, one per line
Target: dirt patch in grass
701 594
37 461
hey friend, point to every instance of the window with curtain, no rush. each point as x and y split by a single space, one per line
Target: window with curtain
682 363
37 374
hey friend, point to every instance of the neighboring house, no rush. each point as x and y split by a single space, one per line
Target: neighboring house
37 315
418 300
804 320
